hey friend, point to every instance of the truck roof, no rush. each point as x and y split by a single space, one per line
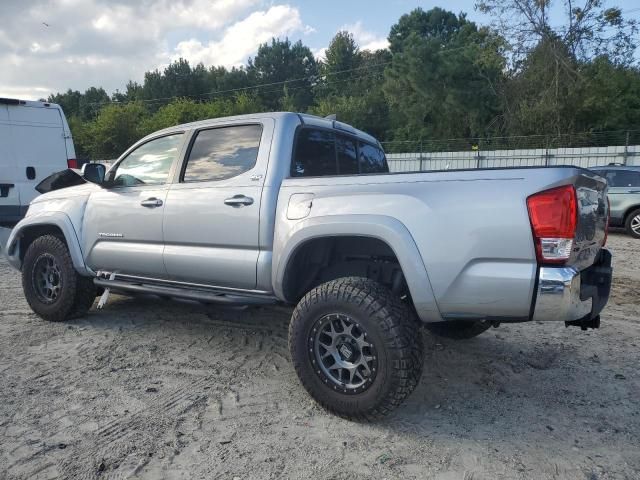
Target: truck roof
304 118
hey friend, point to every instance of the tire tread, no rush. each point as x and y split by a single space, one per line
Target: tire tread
399 327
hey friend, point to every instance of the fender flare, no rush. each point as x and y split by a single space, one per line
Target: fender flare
56 219
387 229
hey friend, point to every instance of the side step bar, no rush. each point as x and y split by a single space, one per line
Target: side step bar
197 295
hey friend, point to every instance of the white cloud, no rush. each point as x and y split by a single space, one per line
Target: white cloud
37 48
366 39
52 45
242 39
320 53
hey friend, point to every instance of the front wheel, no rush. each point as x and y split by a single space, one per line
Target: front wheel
52 287
632 225
355 347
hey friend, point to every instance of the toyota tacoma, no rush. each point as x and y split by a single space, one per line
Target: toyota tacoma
302 210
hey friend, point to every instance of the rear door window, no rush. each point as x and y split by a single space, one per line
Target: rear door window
623 178
222 153
315 154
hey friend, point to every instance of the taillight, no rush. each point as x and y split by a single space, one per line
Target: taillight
554 218
72 163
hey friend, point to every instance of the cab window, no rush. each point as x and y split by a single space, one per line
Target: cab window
149 164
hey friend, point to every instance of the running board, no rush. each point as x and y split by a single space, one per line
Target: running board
188 294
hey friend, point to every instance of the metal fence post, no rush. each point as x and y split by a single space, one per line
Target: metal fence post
546 151
420 155
626 149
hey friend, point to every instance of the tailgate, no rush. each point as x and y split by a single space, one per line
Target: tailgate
593 211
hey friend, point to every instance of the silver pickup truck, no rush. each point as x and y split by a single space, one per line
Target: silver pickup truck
284 207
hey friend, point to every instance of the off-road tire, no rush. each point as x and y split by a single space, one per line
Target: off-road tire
77 293
388 324
458 330
629 221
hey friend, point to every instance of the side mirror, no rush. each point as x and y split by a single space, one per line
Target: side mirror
94 172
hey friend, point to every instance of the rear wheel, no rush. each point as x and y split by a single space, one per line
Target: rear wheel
52 287
356 348
458 330
632 225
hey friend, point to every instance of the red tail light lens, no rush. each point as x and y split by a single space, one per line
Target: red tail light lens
554 218
72 163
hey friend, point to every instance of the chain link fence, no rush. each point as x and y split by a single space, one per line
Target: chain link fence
584 150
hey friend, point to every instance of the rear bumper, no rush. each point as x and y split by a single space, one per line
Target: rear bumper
566 294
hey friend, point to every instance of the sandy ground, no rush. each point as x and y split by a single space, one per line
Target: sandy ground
164 389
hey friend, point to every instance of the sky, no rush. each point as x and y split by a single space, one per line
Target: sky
48 46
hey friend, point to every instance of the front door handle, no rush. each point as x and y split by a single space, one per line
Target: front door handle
151 202
238 201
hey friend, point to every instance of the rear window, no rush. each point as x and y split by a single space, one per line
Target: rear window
322 152
623 178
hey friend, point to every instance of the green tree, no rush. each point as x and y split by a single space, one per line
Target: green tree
69 101
115 129
279 62
608 97
342 62
541 96
93 99
588 28
445 76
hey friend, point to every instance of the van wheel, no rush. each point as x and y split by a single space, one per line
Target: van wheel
458 330
52 287
632 224
356 348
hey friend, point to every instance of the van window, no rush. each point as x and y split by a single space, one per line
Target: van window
222 153
322 152
149 164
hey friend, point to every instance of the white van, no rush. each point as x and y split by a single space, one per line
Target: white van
35 141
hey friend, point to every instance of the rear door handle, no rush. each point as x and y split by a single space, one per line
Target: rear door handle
151 202
238 201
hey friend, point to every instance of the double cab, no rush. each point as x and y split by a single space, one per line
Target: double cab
302 210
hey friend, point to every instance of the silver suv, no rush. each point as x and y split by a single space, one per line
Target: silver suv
624 196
